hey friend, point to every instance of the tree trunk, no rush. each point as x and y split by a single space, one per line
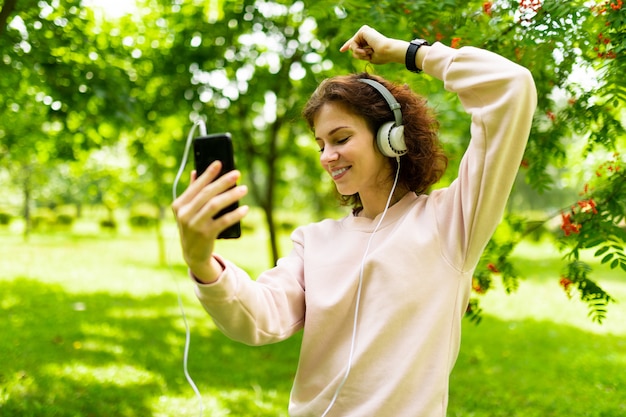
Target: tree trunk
27 191
160 237
5 12
265 195
271 227
272 160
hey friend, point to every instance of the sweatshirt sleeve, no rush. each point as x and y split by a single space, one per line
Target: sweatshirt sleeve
259 312
501 98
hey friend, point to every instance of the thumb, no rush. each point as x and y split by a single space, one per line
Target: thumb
357 40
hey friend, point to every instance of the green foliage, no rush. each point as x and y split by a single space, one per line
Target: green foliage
100 107
144 216
65 219
43 219
5 218
108 224
596 222
577 274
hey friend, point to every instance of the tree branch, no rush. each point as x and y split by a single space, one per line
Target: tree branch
5 12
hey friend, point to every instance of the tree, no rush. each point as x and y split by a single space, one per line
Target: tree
69 93
274 59
79 83
248 80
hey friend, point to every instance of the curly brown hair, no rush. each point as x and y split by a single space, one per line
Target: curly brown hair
425 162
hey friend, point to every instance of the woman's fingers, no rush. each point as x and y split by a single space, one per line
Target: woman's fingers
228 219
203 190
197 184
368 44
356 41
198 208
208 209
196 216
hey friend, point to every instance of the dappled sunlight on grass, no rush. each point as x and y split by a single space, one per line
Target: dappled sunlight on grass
123 312
95 330
223 403
110 348
540 297
538 353
532 368
112 374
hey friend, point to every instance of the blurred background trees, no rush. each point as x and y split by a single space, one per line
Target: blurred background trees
96 103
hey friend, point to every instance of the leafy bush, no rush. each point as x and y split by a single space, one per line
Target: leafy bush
5 218
65 216
144 216
108 224
42 218
65 220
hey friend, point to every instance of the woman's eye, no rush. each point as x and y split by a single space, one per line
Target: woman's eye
337 142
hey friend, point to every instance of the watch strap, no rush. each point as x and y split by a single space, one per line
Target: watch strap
411 53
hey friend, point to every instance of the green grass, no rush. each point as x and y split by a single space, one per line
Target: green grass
538 354
91 326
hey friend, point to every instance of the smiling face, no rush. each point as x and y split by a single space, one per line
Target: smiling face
349 154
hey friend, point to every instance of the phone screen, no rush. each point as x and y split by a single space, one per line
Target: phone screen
217 147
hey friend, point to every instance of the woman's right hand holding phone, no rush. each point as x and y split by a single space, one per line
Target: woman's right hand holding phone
195 210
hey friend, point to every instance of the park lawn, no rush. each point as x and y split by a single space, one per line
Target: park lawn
91 326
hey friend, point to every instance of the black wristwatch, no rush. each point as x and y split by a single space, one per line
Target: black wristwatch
409 59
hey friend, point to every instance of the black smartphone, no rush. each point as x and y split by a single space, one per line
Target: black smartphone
217 147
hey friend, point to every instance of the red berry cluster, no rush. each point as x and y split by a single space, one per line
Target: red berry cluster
615 5
609 167
487 7
533 5
568 226
528 9
603 43
566 283
477 287
587 206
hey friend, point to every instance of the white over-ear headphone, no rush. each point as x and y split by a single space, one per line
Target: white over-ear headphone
390 136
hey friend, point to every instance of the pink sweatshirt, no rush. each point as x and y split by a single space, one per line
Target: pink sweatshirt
417 276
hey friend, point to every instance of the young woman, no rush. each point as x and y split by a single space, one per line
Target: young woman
379 294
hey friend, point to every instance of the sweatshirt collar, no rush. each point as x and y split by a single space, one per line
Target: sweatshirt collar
393 214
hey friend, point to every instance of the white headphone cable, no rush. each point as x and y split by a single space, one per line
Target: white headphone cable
358 297
202 127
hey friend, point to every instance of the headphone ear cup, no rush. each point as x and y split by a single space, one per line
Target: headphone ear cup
390 140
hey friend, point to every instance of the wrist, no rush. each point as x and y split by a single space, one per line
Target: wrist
208 273
415 53
397 51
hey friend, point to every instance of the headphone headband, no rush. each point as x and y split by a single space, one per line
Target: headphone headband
389 98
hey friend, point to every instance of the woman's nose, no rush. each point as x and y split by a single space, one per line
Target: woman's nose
329 154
